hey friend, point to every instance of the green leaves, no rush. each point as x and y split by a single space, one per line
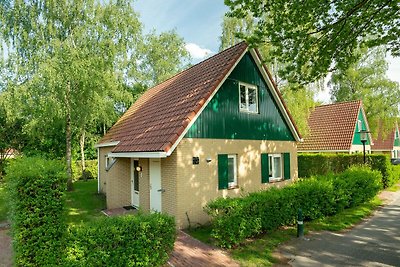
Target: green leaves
314 36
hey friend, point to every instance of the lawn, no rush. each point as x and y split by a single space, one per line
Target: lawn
84 204
259 251
3 203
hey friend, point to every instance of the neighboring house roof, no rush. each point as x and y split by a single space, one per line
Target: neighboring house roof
332 127
384 142
163 114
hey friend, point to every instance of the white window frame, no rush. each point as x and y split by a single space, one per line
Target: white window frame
246 108
234 183
272 167
359 122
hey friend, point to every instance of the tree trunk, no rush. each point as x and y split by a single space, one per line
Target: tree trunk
68 137
82 146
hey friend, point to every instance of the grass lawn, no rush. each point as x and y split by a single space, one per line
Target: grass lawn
3 203
84 204
258 251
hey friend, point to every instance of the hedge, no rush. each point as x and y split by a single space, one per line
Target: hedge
235 219
91 170
36 190
139 240
323 163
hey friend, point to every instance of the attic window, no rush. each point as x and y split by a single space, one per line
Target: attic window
359 125
248 98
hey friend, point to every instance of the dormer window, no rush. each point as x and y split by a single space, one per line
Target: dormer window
248 96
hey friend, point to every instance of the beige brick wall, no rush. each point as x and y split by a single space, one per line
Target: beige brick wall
168 183
103 174
198 184
119 184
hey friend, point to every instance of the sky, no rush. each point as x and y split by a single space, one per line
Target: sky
199 23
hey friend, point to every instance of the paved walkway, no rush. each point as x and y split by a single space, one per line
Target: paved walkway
374 242
5 248
191 252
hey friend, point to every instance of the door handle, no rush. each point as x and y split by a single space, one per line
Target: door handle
161 190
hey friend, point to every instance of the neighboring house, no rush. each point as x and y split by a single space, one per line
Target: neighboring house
335 128
388 144
217 129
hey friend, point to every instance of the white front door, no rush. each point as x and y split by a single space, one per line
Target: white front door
155 184
135 183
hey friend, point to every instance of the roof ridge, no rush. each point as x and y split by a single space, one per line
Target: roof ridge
340 103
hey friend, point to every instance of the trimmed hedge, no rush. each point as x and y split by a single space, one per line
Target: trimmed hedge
139 240
235 219
322 163
90 171
37 212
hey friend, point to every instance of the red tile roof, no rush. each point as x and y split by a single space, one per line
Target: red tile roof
331 127
157 119
160 116
384 142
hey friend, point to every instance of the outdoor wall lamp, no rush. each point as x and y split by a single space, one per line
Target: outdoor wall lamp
139 168
208 160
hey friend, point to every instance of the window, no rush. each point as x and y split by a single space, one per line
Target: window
227 171
359 125
248 98
232 176
275 167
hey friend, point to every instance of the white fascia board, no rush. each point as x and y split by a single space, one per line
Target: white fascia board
151 155
169 152
106 144
275 95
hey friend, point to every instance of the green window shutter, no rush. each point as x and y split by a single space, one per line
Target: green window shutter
264 168
222 171
286 166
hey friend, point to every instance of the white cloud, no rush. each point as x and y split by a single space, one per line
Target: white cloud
197 52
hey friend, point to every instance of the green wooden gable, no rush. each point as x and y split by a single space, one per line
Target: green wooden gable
357 136
221 118
396 137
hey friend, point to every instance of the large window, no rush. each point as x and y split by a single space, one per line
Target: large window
248 98
227 171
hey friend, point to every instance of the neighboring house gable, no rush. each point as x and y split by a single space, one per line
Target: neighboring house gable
388 143
224 118
335 128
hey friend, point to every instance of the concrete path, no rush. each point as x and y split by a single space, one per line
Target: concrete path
374 242
191 252
5 248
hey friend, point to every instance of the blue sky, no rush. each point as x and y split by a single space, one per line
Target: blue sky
199 23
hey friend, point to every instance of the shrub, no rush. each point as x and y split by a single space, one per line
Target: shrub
139 240
235 219
37 193
89 173
323 164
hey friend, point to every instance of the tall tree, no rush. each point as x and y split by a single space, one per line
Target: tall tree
69 57
366 79
317 36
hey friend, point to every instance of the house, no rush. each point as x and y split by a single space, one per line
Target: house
335 128
388 144
217 129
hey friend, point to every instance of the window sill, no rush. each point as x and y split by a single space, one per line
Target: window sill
233 187
277 180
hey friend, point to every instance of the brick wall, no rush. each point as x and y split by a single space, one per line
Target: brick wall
103 151
198 184
119 184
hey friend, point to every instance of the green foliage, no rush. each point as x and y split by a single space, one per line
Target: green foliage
37 192
3 203
139 240
318 36
366 79
323 163
235 219
91 170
